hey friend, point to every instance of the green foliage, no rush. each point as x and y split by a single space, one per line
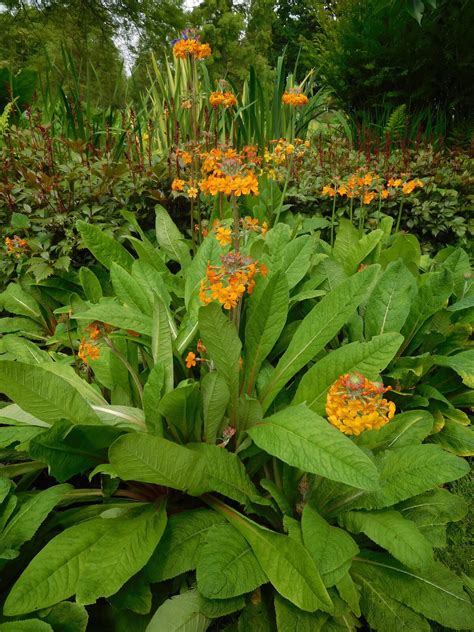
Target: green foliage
200 484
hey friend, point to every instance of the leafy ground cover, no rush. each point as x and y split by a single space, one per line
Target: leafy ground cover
243 416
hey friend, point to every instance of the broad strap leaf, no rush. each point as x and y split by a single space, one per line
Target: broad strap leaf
179 614
321 325
105 249
301 438
368 358
227 566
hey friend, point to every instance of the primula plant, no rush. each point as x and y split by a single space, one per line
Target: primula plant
253 433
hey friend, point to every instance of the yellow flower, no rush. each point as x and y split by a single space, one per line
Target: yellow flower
329 191
192 193
224 236
177 185
355 404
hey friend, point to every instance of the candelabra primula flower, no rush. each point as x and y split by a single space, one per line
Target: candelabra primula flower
16 246
188 45
226 99
228 282
355 404
294 97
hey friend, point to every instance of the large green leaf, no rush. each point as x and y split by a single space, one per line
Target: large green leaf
292 619
215 398
389 304
180 408
403 430
296 259
120 553
181 544
105 249
385 614
118 316
436 593
368 358
412 470
30 514
17 301
151 459
462 363
91 559
169 237
331 548
317 329
351 249
162 346
128 290
226 474
285 562
301 438
223 345
67 617
433 295
44 394
455 438
209 252
227 566
265 321
27 625
179 614
390 530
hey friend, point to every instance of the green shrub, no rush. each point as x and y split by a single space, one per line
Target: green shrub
219 494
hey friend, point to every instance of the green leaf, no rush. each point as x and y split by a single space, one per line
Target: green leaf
305 440
317 329
128 290
255 616
436 593
348 592
30 514
216 608
208 252
408 471
151 398
181 544
15 300
462 363
179 614
180 409
225 473
390 530
455 438
266 318
227 566
291 619
135 595
432 296
105 249
161 345
215 398
27 625
384 613
350 249
332 549
223 345
169 237
90 284
296 259
43 394
403 430
118 316
69 450
93 559
389 304
285 562
151 459
67 617
368 358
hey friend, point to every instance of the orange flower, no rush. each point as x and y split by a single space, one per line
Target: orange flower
177 185
329 191
192 192
395 183
368 197
190 360
294 98
385 193
191 47
88 351
355 404
227 99
224 236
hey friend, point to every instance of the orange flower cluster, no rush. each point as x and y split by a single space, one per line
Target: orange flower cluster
282 149
294 97
192 359
88 349
248 224
191 47
228 282
228 172
355 404
16 246
227 99
369 187
187 188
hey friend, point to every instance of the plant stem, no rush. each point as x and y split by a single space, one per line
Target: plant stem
333 218
399 218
